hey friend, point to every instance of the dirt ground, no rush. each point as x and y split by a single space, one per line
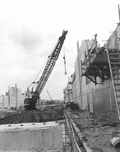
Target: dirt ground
96 133
47 114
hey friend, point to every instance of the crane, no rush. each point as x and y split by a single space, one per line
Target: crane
31 101
49 96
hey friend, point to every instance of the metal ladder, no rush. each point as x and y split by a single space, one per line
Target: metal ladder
113 56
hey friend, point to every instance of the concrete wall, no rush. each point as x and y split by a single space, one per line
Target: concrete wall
95 98
31 137
76 85
79 82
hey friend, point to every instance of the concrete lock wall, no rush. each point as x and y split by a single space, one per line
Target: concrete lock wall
31 137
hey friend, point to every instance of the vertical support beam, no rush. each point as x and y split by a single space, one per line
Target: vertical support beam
68 91
95 42
88 54
79 69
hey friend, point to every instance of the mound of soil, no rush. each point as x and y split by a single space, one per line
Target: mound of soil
47 114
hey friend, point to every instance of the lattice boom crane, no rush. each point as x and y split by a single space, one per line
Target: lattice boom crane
30 103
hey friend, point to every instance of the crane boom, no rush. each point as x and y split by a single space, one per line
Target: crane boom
52 58
50 64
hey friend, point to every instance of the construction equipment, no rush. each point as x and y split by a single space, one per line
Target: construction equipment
72 105
31 102
49 96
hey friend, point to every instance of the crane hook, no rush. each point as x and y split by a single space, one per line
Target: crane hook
64 64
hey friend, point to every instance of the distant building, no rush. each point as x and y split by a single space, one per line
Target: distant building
13 98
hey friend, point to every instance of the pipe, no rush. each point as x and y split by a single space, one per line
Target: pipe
81 137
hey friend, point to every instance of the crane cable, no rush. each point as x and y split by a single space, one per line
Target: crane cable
38 73
64 60
40 70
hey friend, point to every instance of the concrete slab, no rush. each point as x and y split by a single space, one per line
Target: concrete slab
31 137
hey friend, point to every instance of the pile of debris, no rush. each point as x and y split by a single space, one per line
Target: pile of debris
97 134
50 113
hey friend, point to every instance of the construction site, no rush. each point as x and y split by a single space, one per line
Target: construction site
87 120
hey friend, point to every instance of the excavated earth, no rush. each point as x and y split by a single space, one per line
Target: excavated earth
51 113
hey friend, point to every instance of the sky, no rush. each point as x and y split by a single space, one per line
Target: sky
29 30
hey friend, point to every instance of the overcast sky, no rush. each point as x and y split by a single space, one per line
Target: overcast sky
29 30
